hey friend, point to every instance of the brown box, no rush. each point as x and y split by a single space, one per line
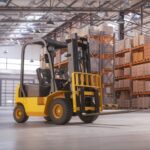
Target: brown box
126 83
147 51
136 41
138 86
140 70
127 71
134 57
121 83
134 71
138 56
127 57
146 69
128 43
119 72
144 39
147 86
141 102
121 45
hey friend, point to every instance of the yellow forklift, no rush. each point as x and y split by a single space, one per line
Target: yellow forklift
57 100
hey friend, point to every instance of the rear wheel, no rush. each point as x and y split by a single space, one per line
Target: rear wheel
47 118
19 114
60 111
88 119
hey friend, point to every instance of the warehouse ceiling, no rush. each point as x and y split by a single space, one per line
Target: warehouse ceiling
24 20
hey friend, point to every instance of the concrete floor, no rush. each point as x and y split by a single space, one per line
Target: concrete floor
127 131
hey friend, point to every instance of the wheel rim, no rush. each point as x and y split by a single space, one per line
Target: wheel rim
18 113
58 111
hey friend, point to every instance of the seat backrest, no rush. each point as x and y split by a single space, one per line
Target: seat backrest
44 76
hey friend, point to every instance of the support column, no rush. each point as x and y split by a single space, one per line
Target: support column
121 25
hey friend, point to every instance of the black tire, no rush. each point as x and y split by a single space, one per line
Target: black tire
66 113
22 117
88 119
47 118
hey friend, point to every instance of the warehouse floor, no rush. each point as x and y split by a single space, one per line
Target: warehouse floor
124 131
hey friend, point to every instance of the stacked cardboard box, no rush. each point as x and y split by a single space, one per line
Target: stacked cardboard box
138 86
138 70
124 99
128 43
119 73
136 41
127 58
147 51
121 45
144 39
141 102
146 69
138 56
147 86
126 83
127 71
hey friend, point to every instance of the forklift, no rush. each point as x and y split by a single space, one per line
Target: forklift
57 100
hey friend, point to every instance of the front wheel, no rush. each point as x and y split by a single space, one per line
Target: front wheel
88 119
19 114
60 111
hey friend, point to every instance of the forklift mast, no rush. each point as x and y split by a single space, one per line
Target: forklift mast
79 55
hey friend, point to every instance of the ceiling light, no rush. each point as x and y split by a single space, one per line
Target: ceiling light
5 52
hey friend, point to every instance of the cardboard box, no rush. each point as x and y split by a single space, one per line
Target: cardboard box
138 86
121 45
147 86
128 43
127 71
136 41
138 56
121 83
119 72
147 51
134 71
147 69
144 39
127 57
141 102
126 83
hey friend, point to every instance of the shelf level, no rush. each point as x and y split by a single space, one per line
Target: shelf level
122 89
122 52
122 77
141 62
123 66
141 93
141 77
